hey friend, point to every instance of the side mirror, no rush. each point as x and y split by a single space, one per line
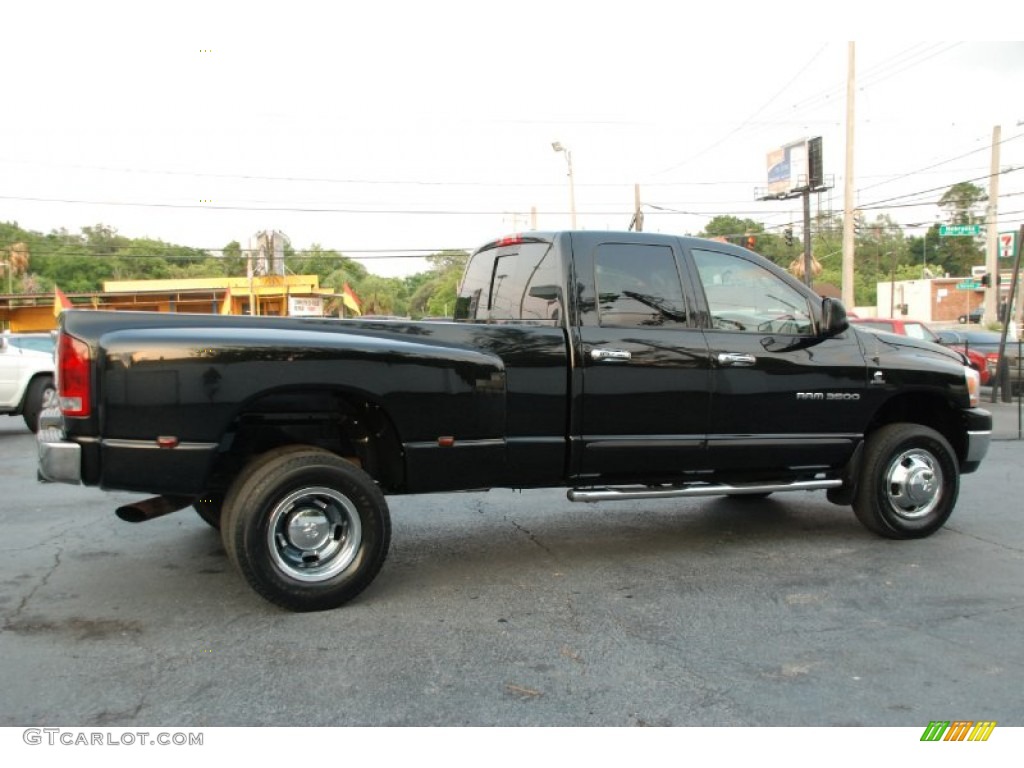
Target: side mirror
546 292
551 294
833 317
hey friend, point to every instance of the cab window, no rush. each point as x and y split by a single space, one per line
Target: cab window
638 286
744 296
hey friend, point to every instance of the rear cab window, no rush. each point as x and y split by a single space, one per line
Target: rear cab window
514 280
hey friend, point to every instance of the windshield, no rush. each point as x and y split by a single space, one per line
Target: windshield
34 343
919 331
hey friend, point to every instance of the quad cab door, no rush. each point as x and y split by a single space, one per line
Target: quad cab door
642 374
785 395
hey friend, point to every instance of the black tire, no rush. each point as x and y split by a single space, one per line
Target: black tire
210 506
307 529
909 482
39 394
253 467
962 319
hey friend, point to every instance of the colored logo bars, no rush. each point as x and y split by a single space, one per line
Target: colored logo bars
958 730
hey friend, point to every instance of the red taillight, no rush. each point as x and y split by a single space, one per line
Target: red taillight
73 379
510 240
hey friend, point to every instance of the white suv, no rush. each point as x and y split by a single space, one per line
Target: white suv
26 375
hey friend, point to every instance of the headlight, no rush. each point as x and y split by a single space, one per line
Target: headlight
973 385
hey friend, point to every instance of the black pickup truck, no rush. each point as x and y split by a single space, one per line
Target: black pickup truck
614 364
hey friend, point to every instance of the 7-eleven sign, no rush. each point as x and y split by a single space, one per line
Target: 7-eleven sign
1007 244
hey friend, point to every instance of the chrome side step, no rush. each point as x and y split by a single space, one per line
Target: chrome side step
621 493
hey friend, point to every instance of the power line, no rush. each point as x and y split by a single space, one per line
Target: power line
889 201
273 208
942 162
748 120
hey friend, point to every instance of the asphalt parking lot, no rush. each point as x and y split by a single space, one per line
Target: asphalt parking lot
520 609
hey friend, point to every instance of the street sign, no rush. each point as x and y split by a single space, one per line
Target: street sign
959 230
1007 243
968 285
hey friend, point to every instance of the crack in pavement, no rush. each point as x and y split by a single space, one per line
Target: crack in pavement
12 619
530 536
984 540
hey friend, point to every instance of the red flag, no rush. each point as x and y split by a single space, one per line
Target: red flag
60 301
349 299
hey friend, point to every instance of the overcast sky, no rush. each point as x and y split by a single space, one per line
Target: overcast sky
380 128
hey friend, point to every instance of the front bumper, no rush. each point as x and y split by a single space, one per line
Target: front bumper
979 437
60 461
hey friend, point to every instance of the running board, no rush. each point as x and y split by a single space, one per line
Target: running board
678 492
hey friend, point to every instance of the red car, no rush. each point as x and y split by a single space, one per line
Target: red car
918 330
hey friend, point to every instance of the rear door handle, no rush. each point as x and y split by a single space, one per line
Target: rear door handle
738 359
610 354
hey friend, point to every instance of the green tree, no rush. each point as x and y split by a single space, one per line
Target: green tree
232 260
314 260
924 250
436 296
382 295
442 299
731 228
961 204
880 255
961 201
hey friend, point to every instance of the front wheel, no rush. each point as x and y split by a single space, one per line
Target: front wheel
909 482
309 531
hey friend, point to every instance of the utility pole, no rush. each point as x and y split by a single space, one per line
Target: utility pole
848 207
808 257
637 224
559 147
992 236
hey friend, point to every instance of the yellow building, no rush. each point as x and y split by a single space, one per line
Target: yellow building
294 295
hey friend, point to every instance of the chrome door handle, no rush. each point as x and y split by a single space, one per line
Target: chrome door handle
736 358
610 354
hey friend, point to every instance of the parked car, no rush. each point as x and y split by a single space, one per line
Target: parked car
913 328
983 343
974 316
957 340
26 375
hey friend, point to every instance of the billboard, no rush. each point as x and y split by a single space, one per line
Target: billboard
266 253
795 167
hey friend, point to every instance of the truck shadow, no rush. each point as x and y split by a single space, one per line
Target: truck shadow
519 544
726 533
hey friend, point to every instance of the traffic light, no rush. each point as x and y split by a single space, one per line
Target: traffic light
788 233
986 280
751 242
